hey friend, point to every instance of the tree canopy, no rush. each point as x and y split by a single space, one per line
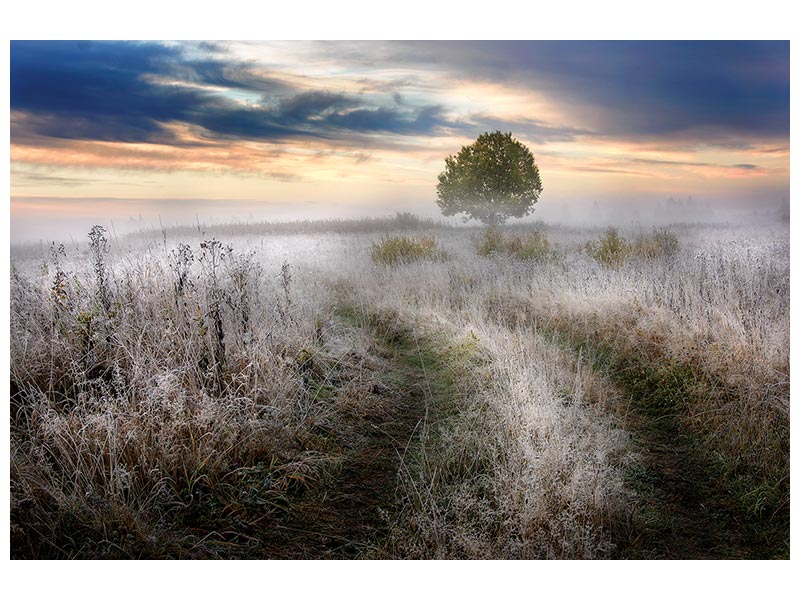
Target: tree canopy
490 180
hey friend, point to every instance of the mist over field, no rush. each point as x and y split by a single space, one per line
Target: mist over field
121 217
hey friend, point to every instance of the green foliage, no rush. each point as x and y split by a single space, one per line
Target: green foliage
611 250
532 245
490 180
401 249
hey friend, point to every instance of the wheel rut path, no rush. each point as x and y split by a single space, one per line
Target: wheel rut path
350 515
683 510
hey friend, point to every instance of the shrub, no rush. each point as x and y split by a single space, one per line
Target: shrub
611 250
407 220
401 249
529 246
662 242
491 240
532 245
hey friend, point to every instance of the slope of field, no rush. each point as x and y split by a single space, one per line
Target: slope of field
556 393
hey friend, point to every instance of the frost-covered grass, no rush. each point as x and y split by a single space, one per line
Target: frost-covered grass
157 382
718 307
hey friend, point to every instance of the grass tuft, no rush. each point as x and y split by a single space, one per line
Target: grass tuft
611 250
661 242
401 249
528 246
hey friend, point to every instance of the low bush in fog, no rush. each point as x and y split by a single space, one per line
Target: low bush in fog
530 245
401 249
661 242
612 249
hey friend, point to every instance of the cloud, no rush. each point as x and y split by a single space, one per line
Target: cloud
590 169
196 106
25 179
681 163
532 130
677 163
132 92
301 107
695 89
415 120
97 90
705 170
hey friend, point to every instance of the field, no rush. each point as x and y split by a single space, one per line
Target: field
398 388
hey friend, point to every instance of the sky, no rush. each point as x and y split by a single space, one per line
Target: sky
134 133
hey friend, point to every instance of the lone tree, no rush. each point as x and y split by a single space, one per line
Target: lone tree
490 180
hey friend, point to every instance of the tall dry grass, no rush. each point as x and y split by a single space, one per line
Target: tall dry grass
146 387
155 383
524 466
718 307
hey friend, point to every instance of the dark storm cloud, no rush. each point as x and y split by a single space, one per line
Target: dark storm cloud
111 91
129 92
300 107
421 120
723 93
230 75
643 88
93 90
